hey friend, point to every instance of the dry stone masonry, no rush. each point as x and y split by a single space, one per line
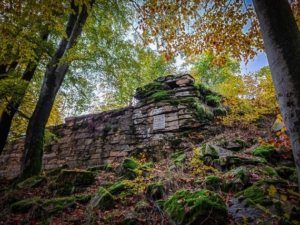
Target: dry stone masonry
167 109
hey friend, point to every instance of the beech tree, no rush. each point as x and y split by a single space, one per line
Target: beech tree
282 42
55 72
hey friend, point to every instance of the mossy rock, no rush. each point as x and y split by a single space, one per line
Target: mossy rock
25 205
107 168
102 199
121 189
83 198
285 172
57 171
213 183
202 114
58 204
213 100
147 166
208 160
214 151
161 95
155 191
130 163
267 152
76 178
150 89
69 182
141 206
236 179
199 207
258 193
32 182
220 111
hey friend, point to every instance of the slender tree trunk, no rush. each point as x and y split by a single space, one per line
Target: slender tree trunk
54 75
282 42
13 106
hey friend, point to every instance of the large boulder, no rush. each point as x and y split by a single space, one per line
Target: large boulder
236 179
199 207
71 181
102 199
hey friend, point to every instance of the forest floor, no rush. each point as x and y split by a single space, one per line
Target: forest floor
138 191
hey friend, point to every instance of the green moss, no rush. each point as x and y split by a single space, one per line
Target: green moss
200 204
258 193
202 114
178 161
198 182
102 199
294 177
285 172
150 89
220 111
207 160
25 205
176 154
269 171
68 180
235 179
241 142
33 182
264 152
147 165
57 171
161 95
172 101
213 182
204 90
117 188
35 150
130 163
76 178
107 168
55 205
213 100
83 198
155 191
140 206
186 133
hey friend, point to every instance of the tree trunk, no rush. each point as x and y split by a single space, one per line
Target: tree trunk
13 106
11 109
54 75
282 42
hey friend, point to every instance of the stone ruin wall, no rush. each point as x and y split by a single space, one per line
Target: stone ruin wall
107 137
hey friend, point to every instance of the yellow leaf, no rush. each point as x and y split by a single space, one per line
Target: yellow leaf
295 222
272 190
244 218
283 198
265 215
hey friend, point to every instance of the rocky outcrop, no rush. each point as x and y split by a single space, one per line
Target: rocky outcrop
166 108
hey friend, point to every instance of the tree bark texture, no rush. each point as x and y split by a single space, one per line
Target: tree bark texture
282 42
54 75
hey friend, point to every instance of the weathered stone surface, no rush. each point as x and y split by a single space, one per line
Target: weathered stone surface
110 136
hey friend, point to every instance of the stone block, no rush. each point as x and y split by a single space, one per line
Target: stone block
88 141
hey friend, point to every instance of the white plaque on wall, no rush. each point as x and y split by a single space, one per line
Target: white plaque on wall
159 122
